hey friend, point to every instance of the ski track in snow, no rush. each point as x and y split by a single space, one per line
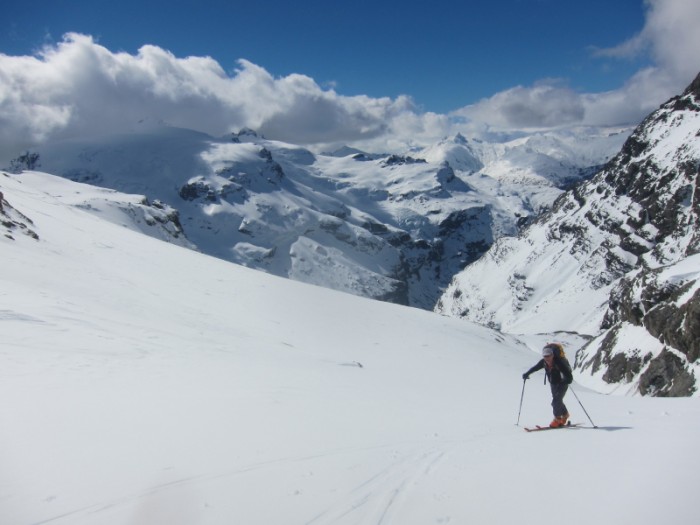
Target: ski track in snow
376 500
380 497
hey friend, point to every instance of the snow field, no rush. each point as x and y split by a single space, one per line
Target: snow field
143 383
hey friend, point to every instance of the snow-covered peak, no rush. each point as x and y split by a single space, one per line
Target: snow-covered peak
393 227
456 151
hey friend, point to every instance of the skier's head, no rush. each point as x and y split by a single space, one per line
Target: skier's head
547 351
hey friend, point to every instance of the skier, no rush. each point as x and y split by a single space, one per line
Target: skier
558 370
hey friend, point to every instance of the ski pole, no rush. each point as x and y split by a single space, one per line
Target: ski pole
584 409
521 402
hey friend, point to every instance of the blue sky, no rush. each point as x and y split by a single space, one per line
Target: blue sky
444 54
381 75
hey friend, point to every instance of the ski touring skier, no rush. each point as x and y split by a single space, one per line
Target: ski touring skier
558 371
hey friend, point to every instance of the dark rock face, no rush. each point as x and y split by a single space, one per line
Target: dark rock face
662 229
660 308
677 326
667 376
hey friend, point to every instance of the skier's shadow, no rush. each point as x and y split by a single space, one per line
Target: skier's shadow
607 429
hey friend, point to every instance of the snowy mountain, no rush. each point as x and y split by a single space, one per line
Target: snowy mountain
617 259
395 227
145 383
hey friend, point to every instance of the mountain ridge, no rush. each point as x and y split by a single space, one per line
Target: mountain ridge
616 259
391 226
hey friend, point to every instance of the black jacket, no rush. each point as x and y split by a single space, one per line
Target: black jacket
558 374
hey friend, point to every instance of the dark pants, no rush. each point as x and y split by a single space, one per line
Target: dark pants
558 393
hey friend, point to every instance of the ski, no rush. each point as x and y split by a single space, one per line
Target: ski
537 428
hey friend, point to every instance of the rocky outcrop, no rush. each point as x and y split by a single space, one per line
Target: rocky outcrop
13 222
660 179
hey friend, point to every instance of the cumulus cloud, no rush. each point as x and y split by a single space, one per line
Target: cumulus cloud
670 35
79 87
671 40
542 106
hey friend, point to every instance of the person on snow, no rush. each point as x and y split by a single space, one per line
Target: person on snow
558 370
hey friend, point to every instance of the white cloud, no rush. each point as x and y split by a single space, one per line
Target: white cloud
640 95
79 87
670 35
671 39
544 105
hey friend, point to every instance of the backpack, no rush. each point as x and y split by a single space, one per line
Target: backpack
558 350
560 363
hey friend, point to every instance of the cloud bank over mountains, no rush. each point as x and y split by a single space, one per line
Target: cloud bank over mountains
79 87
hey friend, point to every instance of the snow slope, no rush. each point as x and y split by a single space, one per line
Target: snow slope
142 383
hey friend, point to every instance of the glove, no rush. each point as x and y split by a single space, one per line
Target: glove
526 376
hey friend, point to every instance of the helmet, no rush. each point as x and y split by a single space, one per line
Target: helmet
547 351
